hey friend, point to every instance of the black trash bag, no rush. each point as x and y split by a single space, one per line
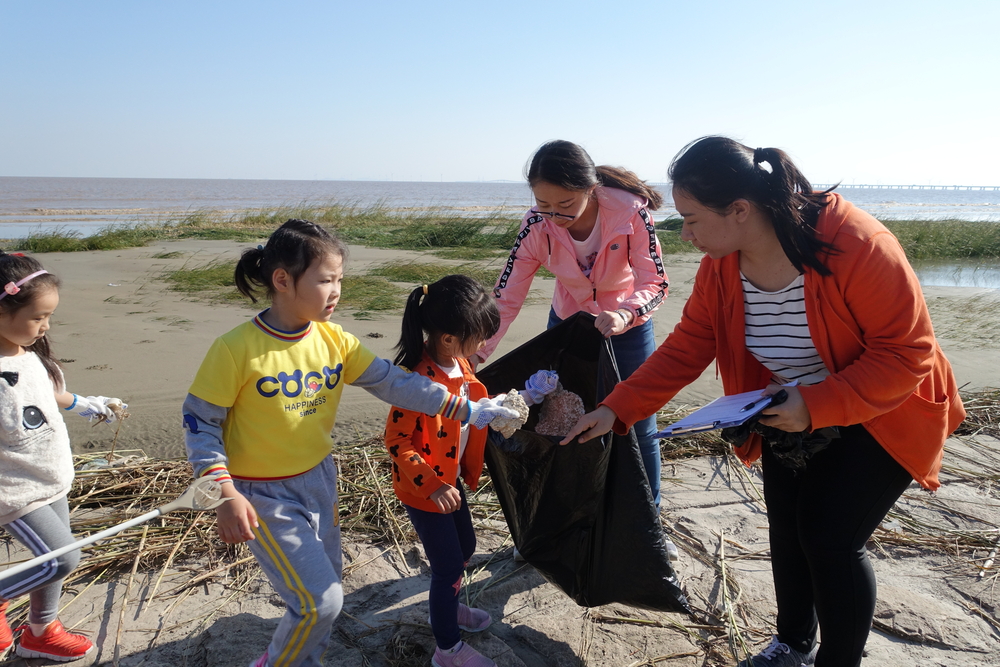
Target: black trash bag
582 514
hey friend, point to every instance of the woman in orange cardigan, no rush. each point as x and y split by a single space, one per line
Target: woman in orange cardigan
803 286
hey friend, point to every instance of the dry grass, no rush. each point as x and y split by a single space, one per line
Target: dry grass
105 496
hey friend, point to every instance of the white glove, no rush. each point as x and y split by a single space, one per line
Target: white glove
96 407
538 386
485 410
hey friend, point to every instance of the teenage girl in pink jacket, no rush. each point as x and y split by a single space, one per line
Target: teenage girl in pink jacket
592 227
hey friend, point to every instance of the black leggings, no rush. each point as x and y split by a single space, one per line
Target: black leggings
820 520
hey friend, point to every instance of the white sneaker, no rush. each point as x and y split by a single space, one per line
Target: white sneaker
777 654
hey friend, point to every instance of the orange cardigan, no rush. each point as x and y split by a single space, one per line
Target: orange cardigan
869 323
423 448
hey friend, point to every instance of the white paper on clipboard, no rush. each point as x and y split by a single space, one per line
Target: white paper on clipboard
723 412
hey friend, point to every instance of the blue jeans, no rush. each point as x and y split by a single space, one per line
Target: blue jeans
632 348
449 542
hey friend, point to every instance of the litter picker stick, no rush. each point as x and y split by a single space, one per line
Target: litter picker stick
203 494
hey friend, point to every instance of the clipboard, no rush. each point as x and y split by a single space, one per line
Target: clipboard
723 412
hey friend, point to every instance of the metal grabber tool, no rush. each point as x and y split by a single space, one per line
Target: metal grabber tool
203 494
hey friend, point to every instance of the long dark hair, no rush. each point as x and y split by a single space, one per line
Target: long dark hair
292 247
567 165
14 267
716 171
456 305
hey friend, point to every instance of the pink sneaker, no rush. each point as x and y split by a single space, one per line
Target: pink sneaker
6 636
471 619
54 644
464 657
260 662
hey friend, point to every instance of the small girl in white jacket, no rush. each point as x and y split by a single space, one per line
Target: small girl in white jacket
36 464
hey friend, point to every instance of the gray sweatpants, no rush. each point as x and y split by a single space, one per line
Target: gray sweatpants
297 545
43 530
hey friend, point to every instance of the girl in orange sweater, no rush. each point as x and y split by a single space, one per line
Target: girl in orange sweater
431 456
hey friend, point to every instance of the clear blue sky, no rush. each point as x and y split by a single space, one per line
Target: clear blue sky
874 91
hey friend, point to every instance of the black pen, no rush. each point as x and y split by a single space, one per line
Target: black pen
751 404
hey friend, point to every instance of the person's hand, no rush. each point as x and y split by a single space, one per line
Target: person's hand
447 499
98 407
610 323
792 415
538 386
591 425
235 517
475 360
485 410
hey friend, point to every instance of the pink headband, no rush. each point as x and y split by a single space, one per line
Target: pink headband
13 288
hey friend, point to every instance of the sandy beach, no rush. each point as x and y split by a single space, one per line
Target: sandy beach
120 331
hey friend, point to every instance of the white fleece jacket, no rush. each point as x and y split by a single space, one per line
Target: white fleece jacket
36 463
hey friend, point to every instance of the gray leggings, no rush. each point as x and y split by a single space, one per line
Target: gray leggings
43 530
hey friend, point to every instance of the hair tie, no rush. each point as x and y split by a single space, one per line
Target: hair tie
425 290
260 247
759 160
13 288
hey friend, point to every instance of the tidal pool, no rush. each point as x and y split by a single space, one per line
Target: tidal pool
958 273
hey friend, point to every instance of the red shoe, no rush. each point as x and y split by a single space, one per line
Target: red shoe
6 636
54 644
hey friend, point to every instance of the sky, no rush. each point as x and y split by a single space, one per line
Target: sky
881 91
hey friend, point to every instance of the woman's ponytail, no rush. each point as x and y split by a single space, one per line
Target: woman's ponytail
411 339
623 179
716 171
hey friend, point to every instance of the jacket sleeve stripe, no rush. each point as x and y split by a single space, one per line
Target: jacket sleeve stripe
505 276
657 260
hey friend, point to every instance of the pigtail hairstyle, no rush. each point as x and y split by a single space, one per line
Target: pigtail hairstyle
567 165
293 247
716 171
456 305
14 267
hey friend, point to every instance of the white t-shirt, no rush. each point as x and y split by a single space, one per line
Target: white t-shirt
587 249
455 371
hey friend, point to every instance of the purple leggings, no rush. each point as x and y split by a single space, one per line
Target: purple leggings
449 542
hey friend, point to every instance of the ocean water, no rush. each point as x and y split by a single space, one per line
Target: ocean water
85 204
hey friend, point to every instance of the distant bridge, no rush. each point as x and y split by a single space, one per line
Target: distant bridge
868 186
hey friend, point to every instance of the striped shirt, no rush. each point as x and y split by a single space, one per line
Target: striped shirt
777 333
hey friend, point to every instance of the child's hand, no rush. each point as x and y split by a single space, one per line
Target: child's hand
485 410
235 517
538 386
447 499
101 408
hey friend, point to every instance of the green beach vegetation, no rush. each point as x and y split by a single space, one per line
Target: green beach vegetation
452 236
947 239
480 243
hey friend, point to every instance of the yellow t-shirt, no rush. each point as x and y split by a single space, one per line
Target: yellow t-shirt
282 389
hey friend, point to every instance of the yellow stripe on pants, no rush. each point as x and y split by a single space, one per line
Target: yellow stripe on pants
294 584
